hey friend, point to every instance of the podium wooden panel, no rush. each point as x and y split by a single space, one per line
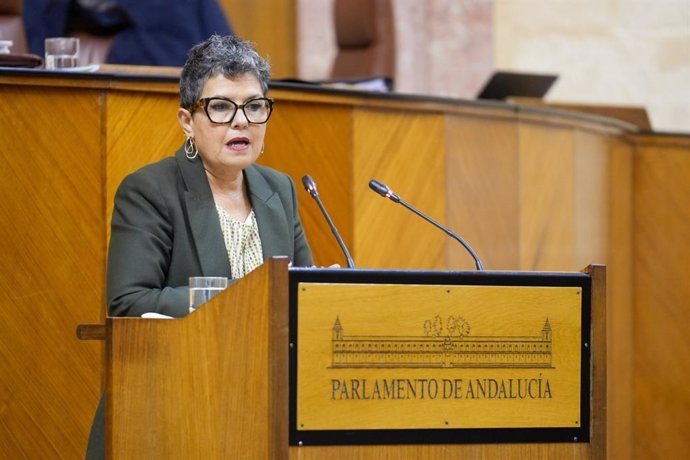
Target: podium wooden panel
214 384
209 385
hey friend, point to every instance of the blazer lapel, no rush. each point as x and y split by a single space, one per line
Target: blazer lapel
270 216
203 218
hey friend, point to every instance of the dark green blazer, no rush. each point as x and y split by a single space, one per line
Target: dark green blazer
165 228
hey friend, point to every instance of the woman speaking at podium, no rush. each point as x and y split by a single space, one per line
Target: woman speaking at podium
209 210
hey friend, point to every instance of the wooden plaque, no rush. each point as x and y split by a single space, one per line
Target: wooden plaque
449 357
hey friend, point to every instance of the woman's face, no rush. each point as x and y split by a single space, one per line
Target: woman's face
226 149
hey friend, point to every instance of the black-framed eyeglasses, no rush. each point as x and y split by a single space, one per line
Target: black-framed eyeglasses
221 110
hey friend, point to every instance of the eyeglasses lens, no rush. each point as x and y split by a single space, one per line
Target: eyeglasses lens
223 111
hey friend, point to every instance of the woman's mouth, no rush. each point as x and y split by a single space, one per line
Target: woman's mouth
238 143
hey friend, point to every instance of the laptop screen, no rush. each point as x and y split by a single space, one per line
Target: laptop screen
502 85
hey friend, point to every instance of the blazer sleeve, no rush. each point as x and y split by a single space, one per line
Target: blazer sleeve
140 251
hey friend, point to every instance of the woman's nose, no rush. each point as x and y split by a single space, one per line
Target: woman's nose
240 119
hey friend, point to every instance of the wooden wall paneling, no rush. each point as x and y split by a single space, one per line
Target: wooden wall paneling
404 150
619 313
52 245
547 197
272 25
316 139
591 207
65 131
481 185
141 128
661 398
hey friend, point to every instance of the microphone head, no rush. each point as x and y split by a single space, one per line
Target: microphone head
378 187
309 185
383 190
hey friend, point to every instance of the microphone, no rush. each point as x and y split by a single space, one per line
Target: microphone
310 187
383 190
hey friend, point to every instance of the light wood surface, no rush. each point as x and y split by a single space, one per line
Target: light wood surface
203 386
347 382
405 153
620 294
529 188
272 25
482 154
660 347
52 245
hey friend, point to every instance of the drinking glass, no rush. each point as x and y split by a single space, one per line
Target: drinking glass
61 52
204 288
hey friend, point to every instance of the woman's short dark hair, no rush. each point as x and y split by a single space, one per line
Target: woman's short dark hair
227 55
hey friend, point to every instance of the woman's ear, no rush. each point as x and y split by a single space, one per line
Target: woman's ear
185 120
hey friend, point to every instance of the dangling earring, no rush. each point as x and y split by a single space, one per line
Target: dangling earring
190 149
262 150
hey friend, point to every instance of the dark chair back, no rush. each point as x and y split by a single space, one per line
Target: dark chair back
12 26
365 38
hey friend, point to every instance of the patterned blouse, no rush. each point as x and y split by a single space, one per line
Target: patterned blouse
242 242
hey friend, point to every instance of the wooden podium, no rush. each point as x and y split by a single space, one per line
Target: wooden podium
232 380
210 385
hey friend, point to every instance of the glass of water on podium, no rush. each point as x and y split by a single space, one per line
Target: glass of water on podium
61 53
204 288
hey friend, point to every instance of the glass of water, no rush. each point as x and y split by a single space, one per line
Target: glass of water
62 53
204 288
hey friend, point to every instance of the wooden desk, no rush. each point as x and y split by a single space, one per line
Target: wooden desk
531 188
